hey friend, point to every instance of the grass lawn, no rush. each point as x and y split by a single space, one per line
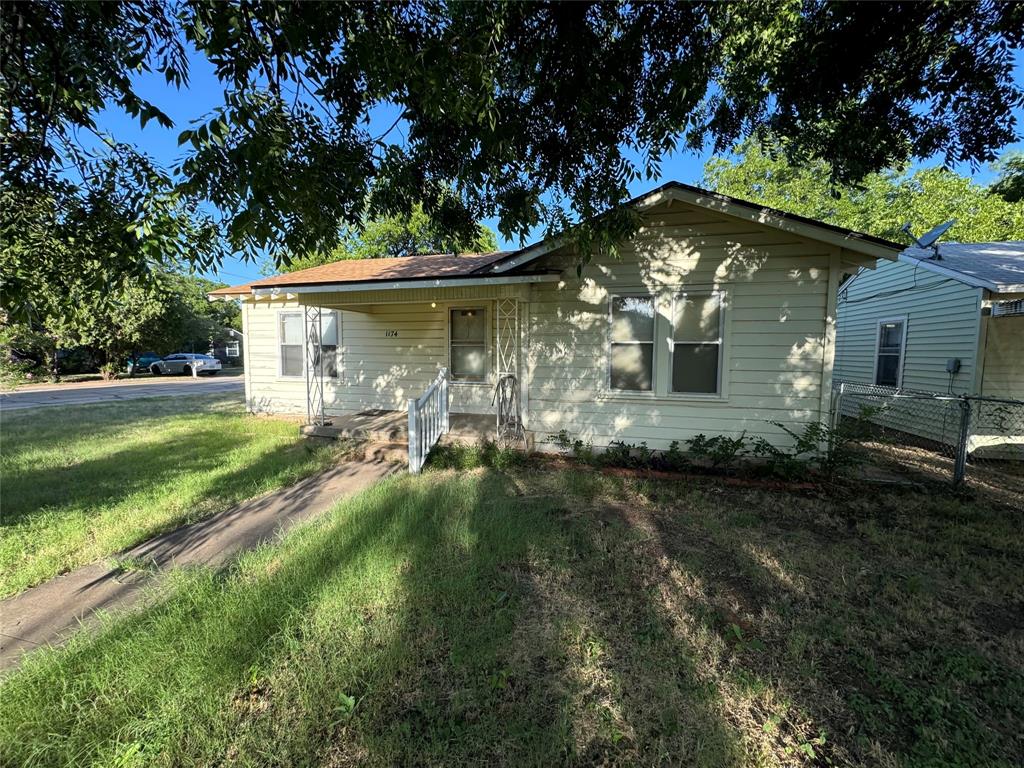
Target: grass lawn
80 483
543 615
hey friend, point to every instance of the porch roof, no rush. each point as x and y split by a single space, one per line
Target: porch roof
438 266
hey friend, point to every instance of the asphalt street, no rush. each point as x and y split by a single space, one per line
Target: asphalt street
105 392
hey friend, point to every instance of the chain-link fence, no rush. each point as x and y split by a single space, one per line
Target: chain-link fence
960 437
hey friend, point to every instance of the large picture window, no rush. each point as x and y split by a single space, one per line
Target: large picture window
697 343
468 344
631 343
889 358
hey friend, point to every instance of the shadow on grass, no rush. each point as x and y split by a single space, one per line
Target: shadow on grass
431 620
849 632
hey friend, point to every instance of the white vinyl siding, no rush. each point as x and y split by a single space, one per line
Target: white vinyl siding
774 293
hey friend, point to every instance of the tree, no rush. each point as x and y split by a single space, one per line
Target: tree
1010 184
397 236
537 114
880 205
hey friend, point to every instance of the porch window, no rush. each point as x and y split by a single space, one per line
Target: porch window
468 344
631 343
889 357
291 339
329 344
697 343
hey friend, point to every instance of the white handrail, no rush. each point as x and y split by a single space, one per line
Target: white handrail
428 420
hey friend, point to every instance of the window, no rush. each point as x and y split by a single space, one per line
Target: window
697 343
631 343
329 344
290 338
889 358
231 349
467 338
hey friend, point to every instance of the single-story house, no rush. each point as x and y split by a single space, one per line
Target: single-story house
716 318
947 319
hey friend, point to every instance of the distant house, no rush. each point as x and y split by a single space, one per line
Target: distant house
717 317
947 322
901 324
228 347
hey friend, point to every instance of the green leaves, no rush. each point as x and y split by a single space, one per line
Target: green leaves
880 205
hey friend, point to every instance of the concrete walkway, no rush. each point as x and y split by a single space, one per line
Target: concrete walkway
46 614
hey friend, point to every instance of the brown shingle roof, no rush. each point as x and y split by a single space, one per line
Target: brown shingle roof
422 267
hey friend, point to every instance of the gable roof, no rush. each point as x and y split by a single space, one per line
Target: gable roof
850 239
497 263
421 267
997 267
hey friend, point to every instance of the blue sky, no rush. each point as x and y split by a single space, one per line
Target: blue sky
205 92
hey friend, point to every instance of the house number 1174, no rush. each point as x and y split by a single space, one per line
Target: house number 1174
388 333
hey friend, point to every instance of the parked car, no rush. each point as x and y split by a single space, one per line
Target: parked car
144 362
187 363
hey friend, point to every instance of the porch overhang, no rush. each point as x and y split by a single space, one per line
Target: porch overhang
283 290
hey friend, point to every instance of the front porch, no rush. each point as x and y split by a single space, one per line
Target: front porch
381 426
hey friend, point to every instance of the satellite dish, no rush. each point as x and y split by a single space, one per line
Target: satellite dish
929 238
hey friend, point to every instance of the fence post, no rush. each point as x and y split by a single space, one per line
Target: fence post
960 464
414 443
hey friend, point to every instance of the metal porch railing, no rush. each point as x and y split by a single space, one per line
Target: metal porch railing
428 420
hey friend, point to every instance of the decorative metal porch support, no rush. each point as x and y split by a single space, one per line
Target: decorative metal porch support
314 367
506 392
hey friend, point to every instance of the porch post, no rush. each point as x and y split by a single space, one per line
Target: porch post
314 367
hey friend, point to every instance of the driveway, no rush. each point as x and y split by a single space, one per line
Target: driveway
110 391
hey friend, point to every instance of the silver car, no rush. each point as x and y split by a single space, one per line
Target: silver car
187 363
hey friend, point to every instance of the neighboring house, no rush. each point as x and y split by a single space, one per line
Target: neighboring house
227 347
717 317
951 322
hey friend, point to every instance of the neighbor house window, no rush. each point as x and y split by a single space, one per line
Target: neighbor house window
631 343
889 360
231 349
290 338
697 343
468 344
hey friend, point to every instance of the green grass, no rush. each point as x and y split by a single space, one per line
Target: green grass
81 483
536 616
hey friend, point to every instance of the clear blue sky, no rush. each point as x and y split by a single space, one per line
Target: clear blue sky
205 92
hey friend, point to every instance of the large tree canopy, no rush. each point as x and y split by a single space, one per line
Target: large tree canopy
882 203
538 114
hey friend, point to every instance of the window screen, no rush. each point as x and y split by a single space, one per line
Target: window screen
631 343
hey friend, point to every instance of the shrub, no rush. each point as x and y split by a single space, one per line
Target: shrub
720 450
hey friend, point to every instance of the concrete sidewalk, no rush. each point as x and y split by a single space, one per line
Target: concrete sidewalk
46 614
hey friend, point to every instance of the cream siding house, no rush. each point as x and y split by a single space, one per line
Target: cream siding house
946 322
717 317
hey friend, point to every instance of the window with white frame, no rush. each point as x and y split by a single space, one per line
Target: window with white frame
631 343
292 341
231 349
697 344
328 360
889 357
467 339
